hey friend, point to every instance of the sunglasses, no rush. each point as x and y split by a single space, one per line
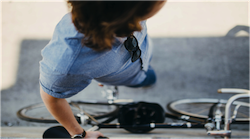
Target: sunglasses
131 44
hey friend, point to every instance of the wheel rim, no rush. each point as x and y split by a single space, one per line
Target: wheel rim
36 113
199 108
39 113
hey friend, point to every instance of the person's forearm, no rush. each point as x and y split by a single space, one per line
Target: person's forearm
61 110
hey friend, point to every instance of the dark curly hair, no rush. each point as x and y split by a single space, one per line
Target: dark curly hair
102 21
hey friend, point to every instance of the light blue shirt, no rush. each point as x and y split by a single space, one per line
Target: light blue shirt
68 67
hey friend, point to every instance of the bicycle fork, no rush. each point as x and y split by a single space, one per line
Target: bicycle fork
226 133
111 94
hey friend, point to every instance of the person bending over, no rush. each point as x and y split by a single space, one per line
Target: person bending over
102 40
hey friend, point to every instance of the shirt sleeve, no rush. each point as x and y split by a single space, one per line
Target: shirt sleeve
58 56
61 85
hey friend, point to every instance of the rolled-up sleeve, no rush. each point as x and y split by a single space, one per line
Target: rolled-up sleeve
58 56
61 85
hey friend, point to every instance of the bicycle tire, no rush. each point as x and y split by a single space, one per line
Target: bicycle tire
39 113
199 108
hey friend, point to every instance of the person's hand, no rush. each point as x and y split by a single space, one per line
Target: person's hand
93 134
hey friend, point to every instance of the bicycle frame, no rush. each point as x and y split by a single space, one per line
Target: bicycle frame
106 124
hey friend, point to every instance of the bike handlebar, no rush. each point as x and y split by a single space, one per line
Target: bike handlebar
228 120
233 91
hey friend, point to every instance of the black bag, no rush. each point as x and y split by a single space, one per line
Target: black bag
56 132
140 113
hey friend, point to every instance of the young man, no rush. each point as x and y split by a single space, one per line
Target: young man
102 40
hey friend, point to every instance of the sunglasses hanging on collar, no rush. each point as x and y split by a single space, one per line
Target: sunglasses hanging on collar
131 44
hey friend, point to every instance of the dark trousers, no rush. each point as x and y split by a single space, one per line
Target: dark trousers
149 80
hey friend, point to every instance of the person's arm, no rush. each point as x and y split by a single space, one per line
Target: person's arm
62 112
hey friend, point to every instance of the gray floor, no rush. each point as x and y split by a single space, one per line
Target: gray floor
185 68
31 132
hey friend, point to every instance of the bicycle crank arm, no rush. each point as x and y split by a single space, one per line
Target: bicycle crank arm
224 133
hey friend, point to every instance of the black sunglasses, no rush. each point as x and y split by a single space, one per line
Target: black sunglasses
131 44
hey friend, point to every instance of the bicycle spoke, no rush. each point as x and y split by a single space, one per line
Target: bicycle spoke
197 109
204 110
242 114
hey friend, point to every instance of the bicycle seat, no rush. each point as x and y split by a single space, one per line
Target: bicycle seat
140 113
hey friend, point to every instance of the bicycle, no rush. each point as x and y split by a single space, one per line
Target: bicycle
142 117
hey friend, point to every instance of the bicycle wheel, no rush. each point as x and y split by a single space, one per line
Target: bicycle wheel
39 113
199 108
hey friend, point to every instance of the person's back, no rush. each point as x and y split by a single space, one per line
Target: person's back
105 41
71 60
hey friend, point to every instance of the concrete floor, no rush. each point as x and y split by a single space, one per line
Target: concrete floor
199 47
30 132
